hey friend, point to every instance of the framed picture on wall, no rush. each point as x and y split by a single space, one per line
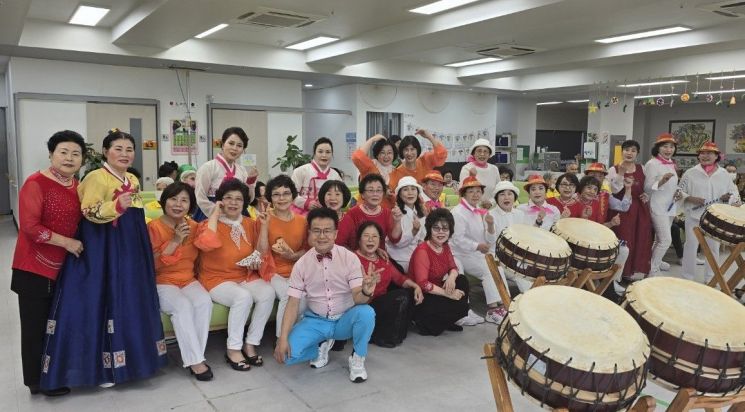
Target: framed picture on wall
691 134
735 137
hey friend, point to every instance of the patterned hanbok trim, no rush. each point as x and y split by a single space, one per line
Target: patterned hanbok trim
107 360
120 359
45 367
51 326
161 345
110 326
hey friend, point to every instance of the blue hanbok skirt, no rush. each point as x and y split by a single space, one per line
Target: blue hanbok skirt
104 324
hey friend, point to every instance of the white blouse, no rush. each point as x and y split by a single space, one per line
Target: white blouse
401 252
487 176
308 179
695 182
209 178
660 197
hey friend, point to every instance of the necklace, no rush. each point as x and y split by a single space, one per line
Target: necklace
65 180
370 211
437 249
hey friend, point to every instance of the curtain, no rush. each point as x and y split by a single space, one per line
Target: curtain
383 123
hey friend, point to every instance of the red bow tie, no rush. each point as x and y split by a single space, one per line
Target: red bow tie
321 256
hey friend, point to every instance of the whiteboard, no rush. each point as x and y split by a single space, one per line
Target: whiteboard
38 120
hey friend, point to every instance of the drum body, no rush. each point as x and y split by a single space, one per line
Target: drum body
566 347
532 252
594 246
697 333
724 222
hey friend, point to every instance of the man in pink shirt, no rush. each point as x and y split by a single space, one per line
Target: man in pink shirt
336 289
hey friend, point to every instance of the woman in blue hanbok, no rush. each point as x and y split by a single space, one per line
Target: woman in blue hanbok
104 324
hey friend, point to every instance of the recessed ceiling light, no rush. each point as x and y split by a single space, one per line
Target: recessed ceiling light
311 43
439 6
653 83
547 103
735 76
644 34
721 91
88 15
212 30
472 62
308 85
578 101
649 96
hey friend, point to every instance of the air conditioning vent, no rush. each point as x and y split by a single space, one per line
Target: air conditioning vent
266 17
506 50
732 9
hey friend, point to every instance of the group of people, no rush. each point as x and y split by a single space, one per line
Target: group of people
91 286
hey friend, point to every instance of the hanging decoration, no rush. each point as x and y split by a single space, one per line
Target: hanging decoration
732 100
709 97
685 96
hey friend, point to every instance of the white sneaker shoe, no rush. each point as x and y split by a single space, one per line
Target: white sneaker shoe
357 372
664 266
496 315
106 385
466 321
475 317
323 355
700 261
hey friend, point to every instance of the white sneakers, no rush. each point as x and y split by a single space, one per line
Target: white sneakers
323 355
496 315
664 266
700 261
472 319
357 372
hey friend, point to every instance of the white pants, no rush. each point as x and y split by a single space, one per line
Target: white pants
623 255
239 297
475 265
190 309
662 240
690 250
523 283
280 285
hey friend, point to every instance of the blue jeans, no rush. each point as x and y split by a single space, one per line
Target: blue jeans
357 323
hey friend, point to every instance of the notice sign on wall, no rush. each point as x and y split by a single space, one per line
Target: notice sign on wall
183 137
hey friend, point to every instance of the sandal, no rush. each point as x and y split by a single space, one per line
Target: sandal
255 360
240 366
204 376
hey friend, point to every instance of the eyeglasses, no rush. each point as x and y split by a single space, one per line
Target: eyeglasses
324 232
440 228
375 191
281 195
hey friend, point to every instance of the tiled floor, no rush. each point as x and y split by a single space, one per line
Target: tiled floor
425 374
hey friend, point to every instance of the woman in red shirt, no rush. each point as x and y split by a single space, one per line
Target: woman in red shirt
567 201
433 268
49 213
392 307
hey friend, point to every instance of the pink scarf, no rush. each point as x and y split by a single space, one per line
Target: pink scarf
537 209
433 204
667 162
472 160
229 172
710 169
476 210
320 175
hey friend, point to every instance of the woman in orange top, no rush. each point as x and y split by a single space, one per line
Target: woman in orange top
287 238
228 272
414 165
173 237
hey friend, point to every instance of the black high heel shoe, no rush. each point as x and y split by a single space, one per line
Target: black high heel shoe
240 366
204 376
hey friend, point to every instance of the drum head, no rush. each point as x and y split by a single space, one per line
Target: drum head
536 240
577 324
586 233
706 315
732 214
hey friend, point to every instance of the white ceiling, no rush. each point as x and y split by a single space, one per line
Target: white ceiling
381 42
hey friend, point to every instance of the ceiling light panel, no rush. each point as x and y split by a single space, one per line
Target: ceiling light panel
578 101
88 15
473 62
736 76
722 91
440 6
649 96
311 43
547 103
212 30
654 83
644 34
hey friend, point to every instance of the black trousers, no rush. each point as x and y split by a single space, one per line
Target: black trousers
436 313
35 294
392 315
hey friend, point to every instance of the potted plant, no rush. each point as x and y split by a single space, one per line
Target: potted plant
92 160
293 156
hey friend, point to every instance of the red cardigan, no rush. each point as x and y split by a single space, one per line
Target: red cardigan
45 207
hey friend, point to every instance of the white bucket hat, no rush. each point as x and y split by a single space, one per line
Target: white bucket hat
408 181
506 185
481 142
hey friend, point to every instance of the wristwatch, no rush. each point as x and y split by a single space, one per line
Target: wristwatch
363 292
